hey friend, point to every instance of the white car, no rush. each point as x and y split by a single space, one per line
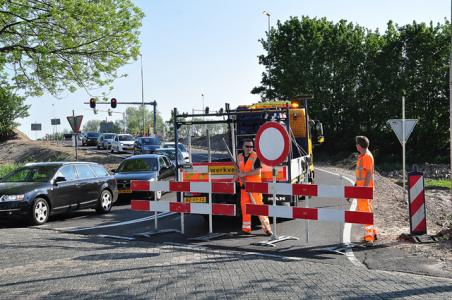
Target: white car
122 142
180 147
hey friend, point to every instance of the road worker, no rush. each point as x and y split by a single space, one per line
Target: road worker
250 171
365 177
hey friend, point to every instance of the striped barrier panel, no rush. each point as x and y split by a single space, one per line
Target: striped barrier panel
183 186
319 214
180 207
312 190
416 195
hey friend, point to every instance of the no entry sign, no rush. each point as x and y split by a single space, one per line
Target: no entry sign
272 143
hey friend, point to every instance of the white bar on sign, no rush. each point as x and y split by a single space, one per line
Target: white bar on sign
200 208
417 218
280 211
330 191
280 188
159 186
200 187
198 169
416 189
331 215
159 206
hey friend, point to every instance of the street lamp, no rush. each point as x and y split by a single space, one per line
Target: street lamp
142 95
266 13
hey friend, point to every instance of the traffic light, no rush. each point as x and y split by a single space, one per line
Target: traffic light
113 102
207 110
92 103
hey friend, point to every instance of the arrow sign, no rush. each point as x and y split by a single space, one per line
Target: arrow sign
396 125
75 122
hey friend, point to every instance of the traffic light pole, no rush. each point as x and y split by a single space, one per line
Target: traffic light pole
153 103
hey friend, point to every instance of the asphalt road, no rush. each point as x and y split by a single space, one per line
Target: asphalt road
316 241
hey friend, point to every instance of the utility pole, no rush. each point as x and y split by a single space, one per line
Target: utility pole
142 96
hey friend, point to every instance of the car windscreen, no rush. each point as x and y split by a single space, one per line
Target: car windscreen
150 141
138 165
125 137
182 147
109 136
31 174
92 134
169 153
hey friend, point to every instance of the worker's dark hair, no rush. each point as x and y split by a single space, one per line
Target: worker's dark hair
362 141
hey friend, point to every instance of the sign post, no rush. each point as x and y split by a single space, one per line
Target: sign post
75 122
403 129
272 148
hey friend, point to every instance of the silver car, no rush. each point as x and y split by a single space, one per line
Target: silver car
122 142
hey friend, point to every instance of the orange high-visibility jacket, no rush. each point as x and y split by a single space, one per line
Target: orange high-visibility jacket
248 167
364 165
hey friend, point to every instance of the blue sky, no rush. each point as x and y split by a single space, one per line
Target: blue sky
210 47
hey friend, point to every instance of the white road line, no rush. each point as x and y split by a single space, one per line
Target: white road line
117 237
346 234
75 229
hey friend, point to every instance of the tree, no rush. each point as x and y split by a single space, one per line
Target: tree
358 77
134 117
62 45
11 108
92 125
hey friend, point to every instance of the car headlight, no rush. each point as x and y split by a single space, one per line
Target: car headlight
7 198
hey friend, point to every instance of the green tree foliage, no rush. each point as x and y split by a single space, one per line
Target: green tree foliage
61 45
11 108
92 125
358 76
134 117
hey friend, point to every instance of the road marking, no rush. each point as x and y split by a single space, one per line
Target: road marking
116 237
346 234
241 253
76 229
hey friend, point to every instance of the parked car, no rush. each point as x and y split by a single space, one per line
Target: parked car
122 142
104 140
181 148
171 154
143 167
145 145
39 190
90 138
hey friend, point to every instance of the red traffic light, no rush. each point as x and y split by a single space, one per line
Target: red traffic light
113 102
92 103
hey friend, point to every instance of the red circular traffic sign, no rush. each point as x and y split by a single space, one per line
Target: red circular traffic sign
272 143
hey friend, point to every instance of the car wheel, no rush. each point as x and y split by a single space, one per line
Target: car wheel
40 211
112 150
105 202
98 147
157 195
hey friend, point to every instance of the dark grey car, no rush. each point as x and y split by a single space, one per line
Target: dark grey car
143 167
39 190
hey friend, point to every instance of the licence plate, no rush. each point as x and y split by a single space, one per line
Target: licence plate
195 199
124 191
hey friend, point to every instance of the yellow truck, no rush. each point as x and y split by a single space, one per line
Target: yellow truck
243 123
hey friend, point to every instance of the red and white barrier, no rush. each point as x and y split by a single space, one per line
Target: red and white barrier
319 214
312 190
416 195
182 186
180 207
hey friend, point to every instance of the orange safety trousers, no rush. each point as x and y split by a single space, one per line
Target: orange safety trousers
365 205
246 218
245 197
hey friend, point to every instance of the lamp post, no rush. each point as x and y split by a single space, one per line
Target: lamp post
450 100
142 95
266 13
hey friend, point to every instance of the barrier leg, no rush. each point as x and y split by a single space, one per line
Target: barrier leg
274 238
341 226
210 235
156 230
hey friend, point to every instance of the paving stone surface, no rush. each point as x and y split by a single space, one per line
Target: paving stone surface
44 264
